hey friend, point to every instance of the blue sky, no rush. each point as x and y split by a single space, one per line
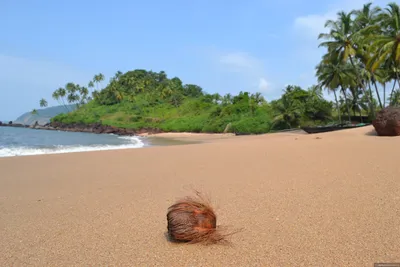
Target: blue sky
223 46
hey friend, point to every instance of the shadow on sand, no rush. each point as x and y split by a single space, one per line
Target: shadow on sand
371 133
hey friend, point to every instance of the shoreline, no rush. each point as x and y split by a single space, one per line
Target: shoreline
143 140
97 128
160 139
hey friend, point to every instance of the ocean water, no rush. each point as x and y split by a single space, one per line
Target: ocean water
24 141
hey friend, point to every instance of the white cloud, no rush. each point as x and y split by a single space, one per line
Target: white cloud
306 30
250 68
263 85
313 24
240 62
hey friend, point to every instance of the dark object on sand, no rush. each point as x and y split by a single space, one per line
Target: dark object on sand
193 220
237 134
331 128
387 122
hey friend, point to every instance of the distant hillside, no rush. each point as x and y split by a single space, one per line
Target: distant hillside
42 116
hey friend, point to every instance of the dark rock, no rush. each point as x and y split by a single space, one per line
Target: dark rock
387 122
1 123
97 128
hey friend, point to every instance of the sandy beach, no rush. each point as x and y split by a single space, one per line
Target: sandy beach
329 199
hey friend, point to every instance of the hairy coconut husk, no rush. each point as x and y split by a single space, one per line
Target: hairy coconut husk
193 220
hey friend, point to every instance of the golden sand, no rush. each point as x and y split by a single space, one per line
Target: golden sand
300 200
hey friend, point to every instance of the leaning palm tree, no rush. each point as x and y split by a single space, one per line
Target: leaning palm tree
395 100
382 76
60 93
393 74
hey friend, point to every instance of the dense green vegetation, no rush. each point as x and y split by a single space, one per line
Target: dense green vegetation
362 55
145 99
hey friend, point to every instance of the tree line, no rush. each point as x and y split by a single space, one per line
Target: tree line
362 54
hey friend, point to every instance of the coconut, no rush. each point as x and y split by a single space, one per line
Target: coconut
193 220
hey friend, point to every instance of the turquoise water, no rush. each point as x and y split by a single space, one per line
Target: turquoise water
24 141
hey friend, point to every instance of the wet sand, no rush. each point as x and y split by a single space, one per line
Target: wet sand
329 199
166 139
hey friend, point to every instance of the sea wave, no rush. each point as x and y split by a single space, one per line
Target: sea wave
12 151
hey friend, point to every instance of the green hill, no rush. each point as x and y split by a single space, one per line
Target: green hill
141 99
43 116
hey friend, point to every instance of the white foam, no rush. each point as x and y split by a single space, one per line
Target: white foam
27 151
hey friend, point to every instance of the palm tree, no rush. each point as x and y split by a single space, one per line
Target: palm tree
58 94
393 73
382 76
166 92
332 74
227 99
115 91
216 98
367 16
91 85
385 46
254 101
388 40
117 75
355 103
98 78
315 92
286 110
43 102
258 98
395 100
84 94
344 41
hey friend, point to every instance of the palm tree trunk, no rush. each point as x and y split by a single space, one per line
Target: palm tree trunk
347 103
398 78
362 86
370 100
384 95
391 93
337 106
377 93
62 99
